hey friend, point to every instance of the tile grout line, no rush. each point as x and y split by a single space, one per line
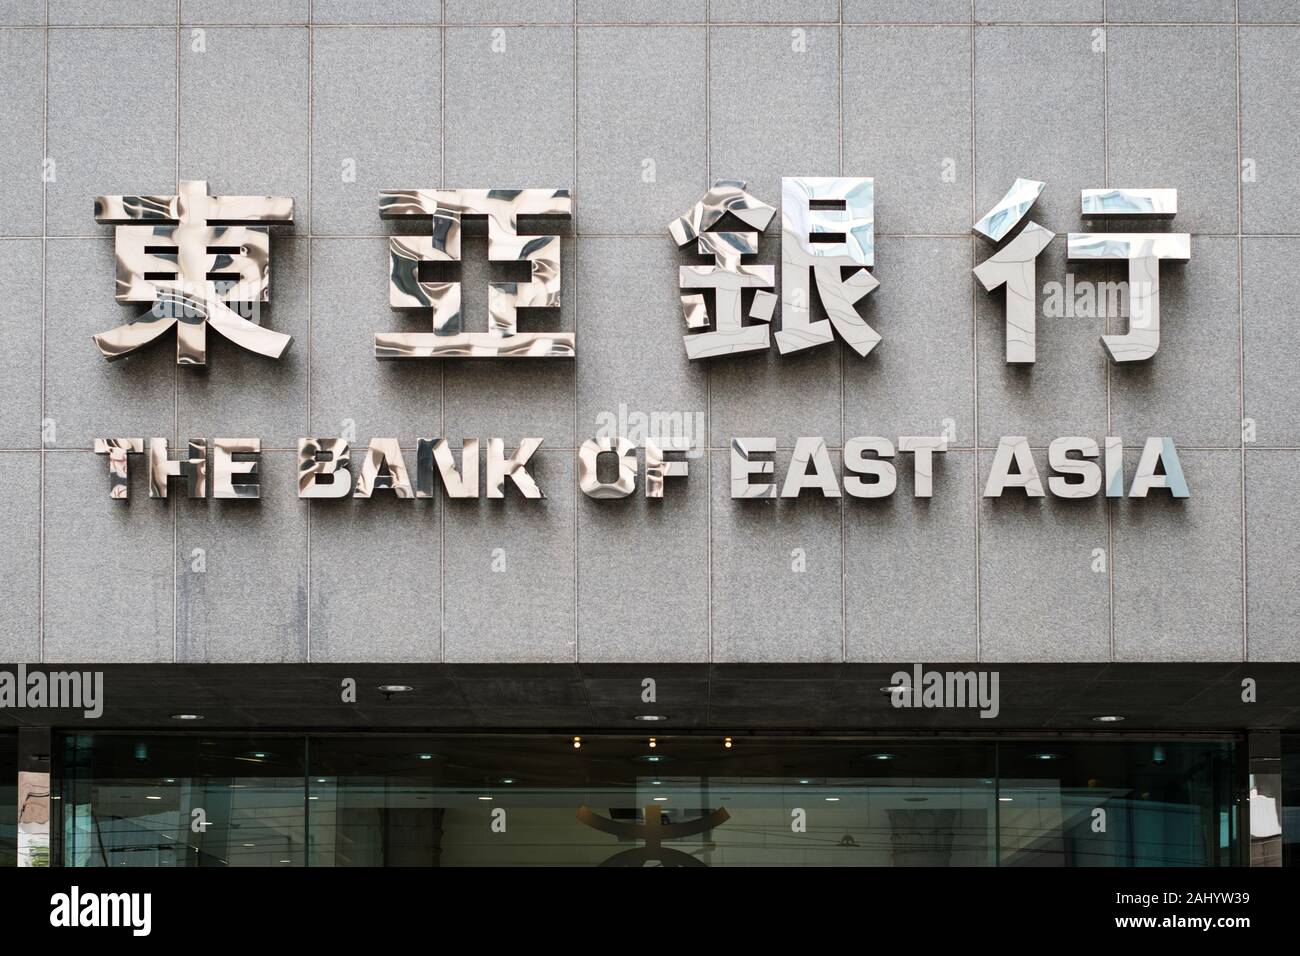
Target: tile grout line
311 217
844 565
442 364
974 351
577 321
708 371
176 378
1241 350
1111 503
45 228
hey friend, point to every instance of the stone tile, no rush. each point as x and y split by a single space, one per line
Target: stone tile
913 138
20 559
512 398
23 13
917 380
642 156
1026 80
1166 11
909 573
219 144
350 389
20 324
663 11
643 572
631 364
1273 603
758 394
525 139
1268 11
763 609
240 394
111 12
1177 565
375 102
244 11
1173 119
795 131
906 11
376 579
112 125
1190 390
1040 599
249 601
1051 11
1064 391
1270 202
1270 285
86 396
22 116
780 11
108 565
509 11
524 612
375 11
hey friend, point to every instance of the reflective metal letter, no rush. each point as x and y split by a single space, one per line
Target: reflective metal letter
810 451
728 276
193 469
1156 452
657 467
1015 266
1059 459
499 468
1143 252
744 463
189 255
827 225
447 208
589 458
236 456
431 452
1013 448
117 450
384 468
924 447
857 463
323 468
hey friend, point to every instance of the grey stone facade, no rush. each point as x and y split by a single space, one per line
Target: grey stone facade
590 96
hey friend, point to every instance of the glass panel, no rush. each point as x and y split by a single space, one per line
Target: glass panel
172 800
216 800
1291 799
764 801
8 799
1112 803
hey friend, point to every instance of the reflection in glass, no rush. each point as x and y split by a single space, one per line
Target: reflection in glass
521 800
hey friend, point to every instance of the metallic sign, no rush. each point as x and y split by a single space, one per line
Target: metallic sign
445 210
191 256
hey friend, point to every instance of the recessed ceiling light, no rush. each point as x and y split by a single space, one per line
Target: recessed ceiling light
1108 719
389 690
805 781
882 756
656 783
650 717
661 799
485 798
1044 756
187 716
250 844
426 756
151 796
320 779
832 799
1004 799
286 861
507 780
